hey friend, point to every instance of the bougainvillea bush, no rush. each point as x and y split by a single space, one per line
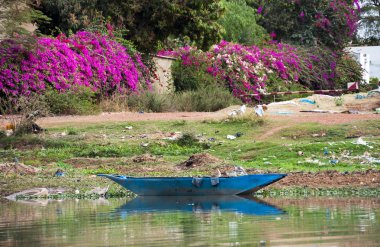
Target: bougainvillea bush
252 70
66 63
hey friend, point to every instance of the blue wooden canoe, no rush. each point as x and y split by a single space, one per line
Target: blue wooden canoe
198 204
188 186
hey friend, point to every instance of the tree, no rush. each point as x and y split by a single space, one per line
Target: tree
369 32
331 23
15 14
147 22
239 23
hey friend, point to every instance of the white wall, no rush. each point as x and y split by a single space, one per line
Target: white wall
374 57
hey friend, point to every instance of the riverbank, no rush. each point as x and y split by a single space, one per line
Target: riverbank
327 151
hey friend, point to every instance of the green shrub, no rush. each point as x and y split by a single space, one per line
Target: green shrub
188 140
339 101
190 77
210 98
80 102
373 84
347 70
150 102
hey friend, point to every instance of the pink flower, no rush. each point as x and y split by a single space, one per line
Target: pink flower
260 9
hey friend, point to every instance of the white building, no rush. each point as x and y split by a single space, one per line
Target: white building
369 58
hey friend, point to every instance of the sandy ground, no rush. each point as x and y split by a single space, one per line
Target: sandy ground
323 118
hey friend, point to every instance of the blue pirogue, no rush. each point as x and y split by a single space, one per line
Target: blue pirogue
188 186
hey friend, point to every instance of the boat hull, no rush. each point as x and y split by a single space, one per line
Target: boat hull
185 186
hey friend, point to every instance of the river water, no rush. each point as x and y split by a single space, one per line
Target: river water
186 221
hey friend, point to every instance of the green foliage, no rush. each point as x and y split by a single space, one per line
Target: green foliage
150 102
190 77
80 102
16 12
239 23
347 70
147 22
373 84
370 22
330 23
339 101
187 139
210 98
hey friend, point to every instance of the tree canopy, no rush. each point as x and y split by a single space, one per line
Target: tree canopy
331 23
239 23
15 14
147 22
370 22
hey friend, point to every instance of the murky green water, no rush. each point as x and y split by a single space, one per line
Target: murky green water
191 222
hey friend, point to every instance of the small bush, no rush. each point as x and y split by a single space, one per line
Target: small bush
150 102
210 98
339 101
80 102
188 140
116 102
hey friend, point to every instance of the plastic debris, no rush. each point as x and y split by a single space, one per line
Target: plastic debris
377 110
59 173
334 161
240 171
284 112
360 141
238 134
128 127
99 191
240 111
325 151
144 145
231 137
359 96
307 101
8 133
259 110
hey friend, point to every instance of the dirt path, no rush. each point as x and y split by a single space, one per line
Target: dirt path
323 118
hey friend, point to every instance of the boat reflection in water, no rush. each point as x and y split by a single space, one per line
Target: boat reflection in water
199 204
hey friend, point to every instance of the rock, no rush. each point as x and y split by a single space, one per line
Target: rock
35 192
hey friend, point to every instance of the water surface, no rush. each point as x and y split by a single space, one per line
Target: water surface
186 221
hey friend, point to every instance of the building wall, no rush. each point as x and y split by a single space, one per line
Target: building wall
373 54
164 74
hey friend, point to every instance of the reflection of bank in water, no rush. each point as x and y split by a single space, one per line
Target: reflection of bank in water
198 204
